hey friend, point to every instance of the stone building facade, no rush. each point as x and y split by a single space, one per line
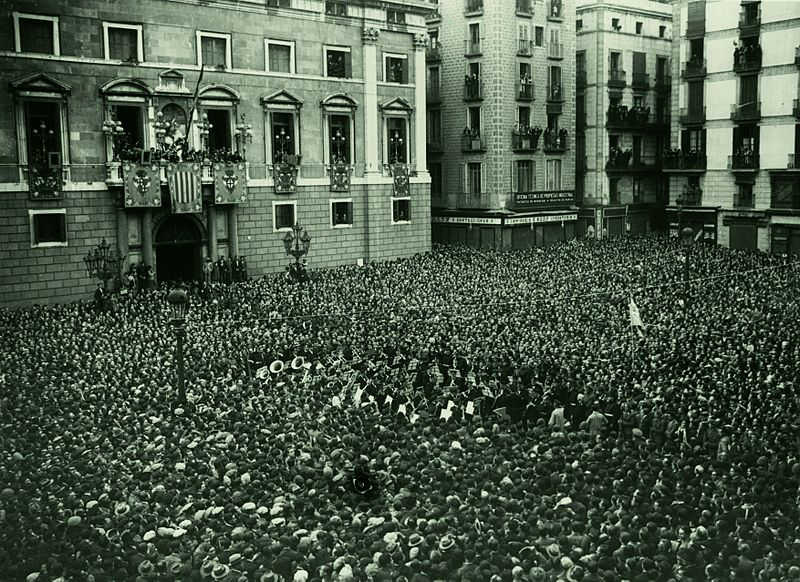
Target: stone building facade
736 121
324 99
501 118
622 114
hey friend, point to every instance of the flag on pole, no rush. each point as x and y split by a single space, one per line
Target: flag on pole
185 187
636 318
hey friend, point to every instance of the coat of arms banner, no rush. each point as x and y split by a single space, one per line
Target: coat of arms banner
142 185
230 183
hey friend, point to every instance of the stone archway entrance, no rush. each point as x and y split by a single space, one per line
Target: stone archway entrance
179 250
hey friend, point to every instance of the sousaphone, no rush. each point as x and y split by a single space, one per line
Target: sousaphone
277 367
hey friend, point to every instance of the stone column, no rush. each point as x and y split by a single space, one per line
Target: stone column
212 232
420 105
122 239
233 231
370 40
147 238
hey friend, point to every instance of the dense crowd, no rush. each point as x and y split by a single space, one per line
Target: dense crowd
460 415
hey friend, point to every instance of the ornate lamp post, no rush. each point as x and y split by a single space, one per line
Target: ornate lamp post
204 128
338 146
160 127
282 139
113 130
297 245
687 239
102 263
244 135
42 133
178 301
396 142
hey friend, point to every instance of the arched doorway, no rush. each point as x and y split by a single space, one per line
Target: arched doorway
179 249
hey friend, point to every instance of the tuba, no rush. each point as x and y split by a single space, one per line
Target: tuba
297 363
277 367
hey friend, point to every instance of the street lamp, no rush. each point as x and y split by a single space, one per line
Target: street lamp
338 146
687 239
396 142
282 140
178 301
297 245
102 263
114 130
244 135
204 127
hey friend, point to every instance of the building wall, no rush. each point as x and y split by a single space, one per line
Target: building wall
169 42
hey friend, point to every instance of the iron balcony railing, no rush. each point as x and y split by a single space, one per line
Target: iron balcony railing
473 6
641 81
693 115
554 10
472 142
525 90
524 7
743 161
473 89
694 67
677 160
525 139
524 47
433 52
555 92
691 196
473 200
616 78
747 58
555 142
746 112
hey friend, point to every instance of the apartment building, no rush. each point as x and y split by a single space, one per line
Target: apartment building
501 118
734 172
291 111
623 82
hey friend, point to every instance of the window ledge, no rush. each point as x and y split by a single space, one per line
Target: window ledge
46 245
401 222
342 226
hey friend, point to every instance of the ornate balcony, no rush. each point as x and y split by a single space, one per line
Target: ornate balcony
747 59
616 79
694 68
472 142
677 161
641 82
693 116
525 90
555 143
692 195
524 47
473 89
525 139
340 177
743 162
746 112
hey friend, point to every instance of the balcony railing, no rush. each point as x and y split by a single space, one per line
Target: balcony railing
524 47
555 143
473 201
525 139
471 141
556 50
524 7
663 82
641 81
580 78
688 161
691 196
525 90
473 6
555 93
433 52
694 67
693 115
746 112
554 10
472 47
796 108
749 23
743 161
747 58
473 89
621 116
616 78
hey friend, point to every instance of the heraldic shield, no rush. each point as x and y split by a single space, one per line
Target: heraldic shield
185 187
230 183
142 185
400 179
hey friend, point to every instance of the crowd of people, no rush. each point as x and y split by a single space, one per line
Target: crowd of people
464 415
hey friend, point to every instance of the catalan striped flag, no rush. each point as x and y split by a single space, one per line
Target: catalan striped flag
185 187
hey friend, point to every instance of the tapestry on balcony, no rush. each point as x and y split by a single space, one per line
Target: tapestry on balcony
284 176
142 185
44 182
340 177
400 179
230 183
185 187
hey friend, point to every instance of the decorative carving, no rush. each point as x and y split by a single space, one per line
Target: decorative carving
45 182
230 183
400 179
284 177
370 35
340 177
420 42
142 185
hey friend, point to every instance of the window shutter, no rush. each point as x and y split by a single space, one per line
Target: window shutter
347 66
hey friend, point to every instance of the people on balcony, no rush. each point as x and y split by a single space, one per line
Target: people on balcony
619 158
746 54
